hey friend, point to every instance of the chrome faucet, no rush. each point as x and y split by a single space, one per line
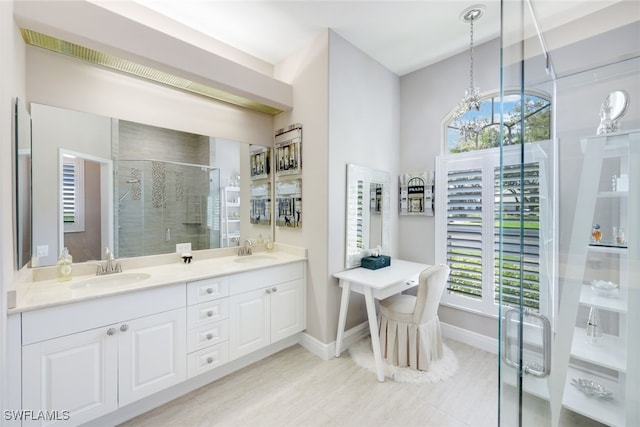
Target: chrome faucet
246 248
109 267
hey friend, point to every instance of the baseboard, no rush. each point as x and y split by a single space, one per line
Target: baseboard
471 338
327 351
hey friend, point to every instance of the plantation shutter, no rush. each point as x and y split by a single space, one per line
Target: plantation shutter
520 202
73 194
464 232
69 174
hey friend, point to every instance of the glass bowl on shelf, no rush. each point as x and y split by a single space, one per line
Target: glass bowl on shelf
605 289
591 388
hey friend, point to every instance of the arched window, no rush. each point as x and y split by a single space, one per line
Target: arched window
472 176
479 130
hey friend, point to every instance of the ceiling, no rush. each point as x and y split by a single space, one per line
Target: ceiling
402 35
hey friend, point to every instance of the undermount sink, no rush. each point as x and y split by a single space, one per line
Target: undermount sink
108 281
255 259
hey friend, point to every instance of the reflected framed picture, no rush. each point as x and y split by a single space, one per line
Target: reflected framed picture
288 150
289 203
259 162
416 193
260 203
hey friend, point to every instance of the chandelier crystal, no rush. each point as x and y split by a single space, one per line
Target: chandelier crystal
471 99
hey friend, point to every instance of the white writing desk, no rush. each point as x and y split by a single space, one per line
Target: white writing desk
375 284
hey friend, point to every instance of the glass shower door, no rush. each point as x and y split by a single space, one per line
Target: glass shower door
567 278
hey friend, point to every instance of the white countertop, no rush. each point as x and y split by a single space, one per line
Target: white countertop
48 293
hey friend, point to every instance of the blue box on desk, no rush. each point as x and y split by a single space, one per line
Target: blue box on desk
375 262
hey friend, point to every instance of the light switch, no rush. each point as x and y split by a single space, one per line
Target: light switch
183 248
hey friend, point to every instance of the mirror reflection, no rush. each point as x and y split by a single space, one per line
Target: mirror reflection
134 188
367 223
23 183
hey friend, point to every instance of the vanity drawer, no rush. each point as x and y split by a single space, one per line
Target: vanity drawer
207 359
256 279
207 313
204 336
207 290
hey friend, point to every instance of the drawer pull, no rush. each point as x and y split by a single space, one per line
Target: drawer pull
209 336
209 290
124 327
411 282
111 331
210 313
209 360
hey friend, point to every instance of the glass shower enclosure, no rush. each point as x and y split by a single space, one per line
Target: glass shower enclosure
161 203
568 221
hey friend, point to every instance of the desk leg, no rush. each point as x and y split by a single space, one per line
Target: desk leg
373 328
342 320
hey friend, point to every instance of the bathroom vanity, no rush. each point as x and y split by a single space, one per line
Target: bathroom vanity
99 349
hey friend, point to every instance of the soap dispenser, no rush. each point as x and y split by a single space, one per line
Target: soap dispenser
63 266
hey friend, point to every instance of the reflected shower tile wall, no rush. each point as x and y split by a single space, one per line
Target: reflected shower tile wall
158 187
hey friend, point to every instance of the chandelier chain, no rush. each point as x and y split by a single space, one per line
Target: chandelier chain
471 54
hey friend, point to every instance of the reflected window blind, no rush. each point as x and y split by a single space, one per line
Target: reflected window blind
464 232
69 184
520 202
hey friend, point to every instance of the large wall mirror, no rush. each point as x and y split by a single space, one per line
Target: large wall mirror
138 189
368 212
23 183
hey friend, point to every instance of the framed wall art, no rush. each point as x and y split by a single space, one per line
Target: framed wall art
416 193
260 203
259 162
289 203
288 150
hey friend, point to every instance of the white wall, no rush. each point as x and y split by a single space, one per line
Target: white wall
54 79
307 72
364 122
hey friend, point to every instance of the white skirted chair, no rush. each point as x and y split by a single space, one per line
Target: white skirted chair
409 325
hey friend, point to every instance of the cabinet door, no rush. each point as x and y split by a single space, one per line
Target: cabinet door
77 373
287 309
249 322
153 354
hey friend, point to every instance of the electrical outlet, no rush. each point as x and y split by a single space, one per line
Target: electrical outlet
42 251
183 248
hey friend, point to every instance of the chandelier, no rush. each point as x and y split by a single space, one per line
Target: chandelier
471 99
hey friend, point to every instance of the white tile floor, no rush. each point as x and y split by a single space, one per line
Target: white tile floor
296 388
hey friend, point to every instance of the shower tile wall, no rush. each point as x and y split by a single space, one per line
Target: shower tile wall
167 206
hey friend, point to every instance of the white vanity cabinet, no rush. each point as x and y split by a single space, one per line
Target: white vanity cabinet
84 359
208 324
265 306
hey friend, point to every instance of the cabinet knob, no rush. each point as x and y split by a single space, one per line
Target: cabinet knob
274 289
209 336
209 290
209 360
111 331
124 327
210 313
268 291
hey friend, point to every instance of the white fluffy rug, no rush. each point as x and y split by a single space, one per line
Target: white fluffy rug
439 370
